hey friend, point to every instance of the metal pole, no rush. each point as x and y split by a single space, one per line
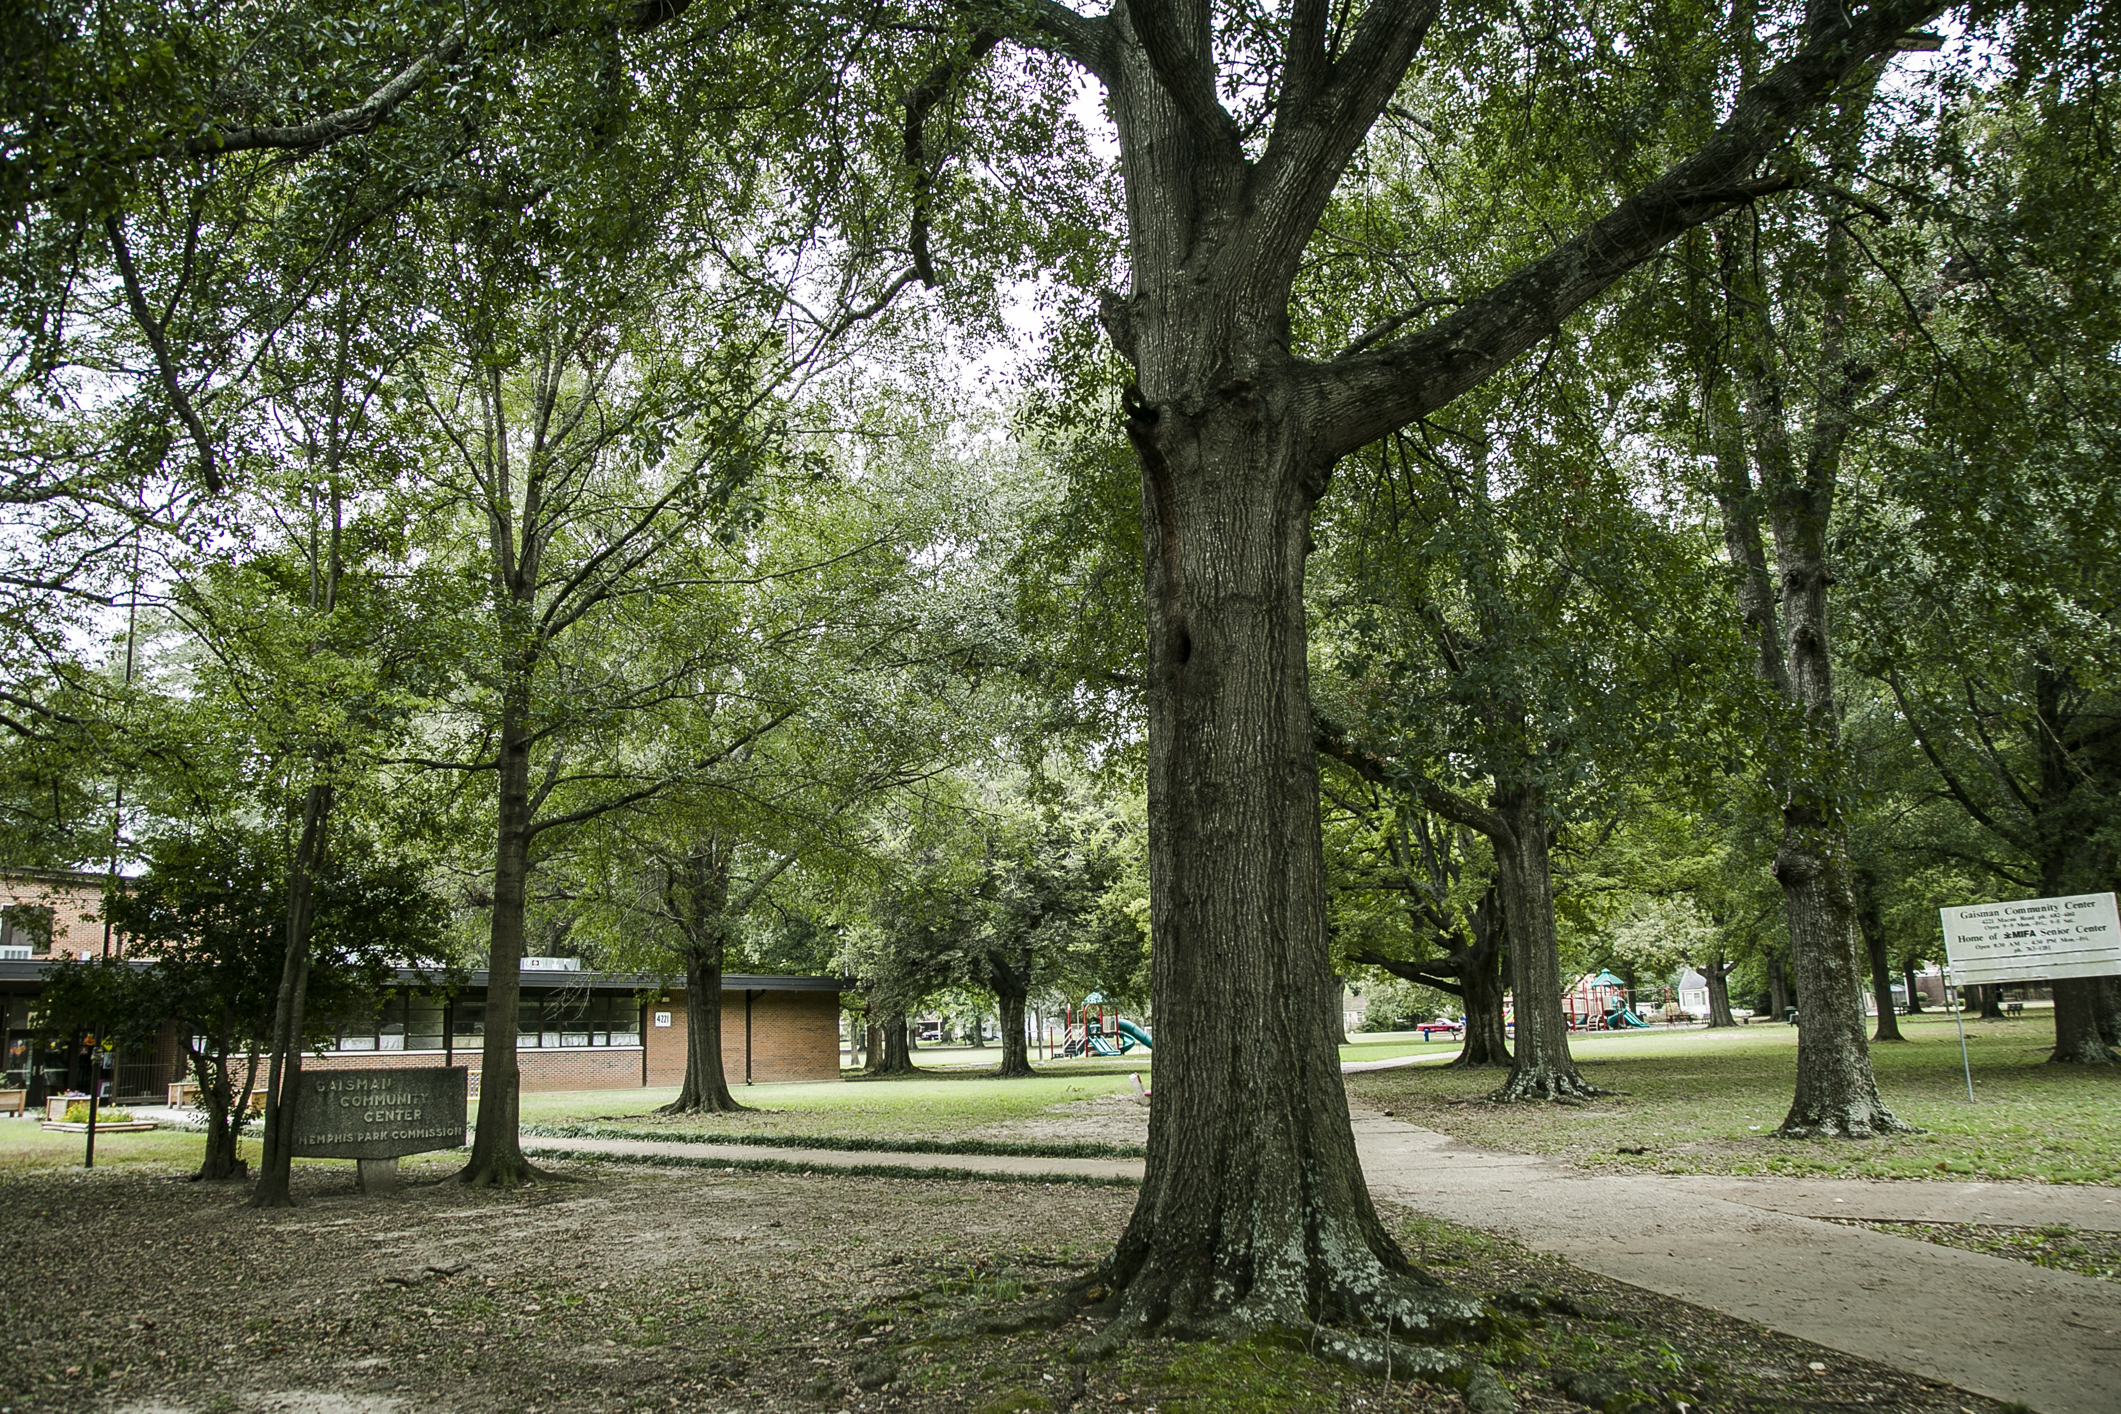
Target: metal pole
95 1088
747 1035
1959 1020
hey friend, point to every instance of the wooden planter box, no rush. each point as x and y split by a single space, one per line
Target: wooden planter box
184 1095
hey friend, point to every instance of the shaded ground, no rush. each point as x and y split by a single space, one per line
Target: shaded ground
1709 1101
686 1289
1117 1118
932 1104
2057 1246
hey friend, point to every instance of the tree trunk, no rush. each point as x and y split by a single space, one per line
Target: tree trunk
283 1082
1778 988
1837 1095
1988 1001
496 1152
2079 1003
2107 1014
1914 993
975 1034
890 1053
1543 1068
1253 1209
1016 1049
706 1085
1481 986
218 1163
1719 984
1872 925
1336 1010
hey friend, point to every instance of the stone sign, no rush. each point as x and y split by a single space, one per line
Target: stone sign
2033 939
379 1114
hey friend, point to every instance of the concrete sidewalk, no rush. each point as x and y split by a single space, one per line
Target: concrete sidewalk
2005 1329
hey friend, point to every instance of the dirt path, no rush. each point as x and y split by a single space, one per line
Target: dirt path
2006 1329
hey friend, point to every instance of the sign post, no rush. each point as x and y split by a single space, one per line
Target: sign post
2029 940
375 1117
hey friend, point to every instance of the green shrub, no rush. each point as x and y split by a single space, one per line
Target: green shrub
77 1113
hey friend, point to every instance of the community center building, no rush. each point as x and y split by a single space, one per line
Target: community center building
575 1030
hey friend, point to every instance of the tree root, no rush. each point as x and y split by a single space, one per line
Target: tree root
1882 1123
1561 1087
510 1172
704 1105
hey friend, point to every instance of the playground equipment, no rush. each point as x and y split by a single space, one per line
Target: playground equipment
1599 1002
1622 1015
1095 1033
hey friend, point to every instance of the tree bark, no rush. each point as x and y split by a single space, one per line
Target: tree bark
2107 1015
706 1085
1988 1002
1718 978
1481 986
1336 1012
283 1083
496 1151
892 1055
224 1109
1914 993
1872 925
2079 1003
1778 988
1016 1047
1836 1093
1543 1068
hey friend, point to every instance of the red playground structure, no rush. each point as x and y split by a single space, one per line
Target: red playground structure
1599 1002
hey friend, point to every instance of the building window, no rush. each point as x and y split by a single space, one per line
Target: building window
552 1020
567 1019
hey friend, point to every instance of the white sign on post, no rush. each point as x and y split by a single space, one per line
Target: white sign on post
2033 940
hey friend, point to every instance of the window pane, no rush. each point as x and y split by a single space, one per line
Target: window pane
423 1025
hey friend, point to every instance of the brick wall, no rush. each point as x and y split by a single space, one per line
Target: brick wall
794 1036
77 912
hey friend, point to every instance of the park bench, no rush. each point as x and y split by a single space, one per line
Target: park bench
14 1102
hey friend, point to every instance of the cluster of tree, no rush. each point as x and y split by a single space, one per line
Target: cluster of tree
1574 470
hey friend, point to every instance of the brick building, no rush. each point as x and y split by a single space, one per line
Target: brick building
51 912
574 1031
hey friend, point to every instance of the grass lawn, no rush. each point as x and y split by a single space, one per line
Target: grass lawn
1709 1101
27 1147
1392 1045
940 1105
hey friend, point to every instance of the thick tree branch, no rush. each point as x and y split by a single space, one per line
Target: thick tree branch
1052 27
1944 772
919 100
1330 740
1356 400
1326 110
364 117
1443 975
1181 53
136 300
